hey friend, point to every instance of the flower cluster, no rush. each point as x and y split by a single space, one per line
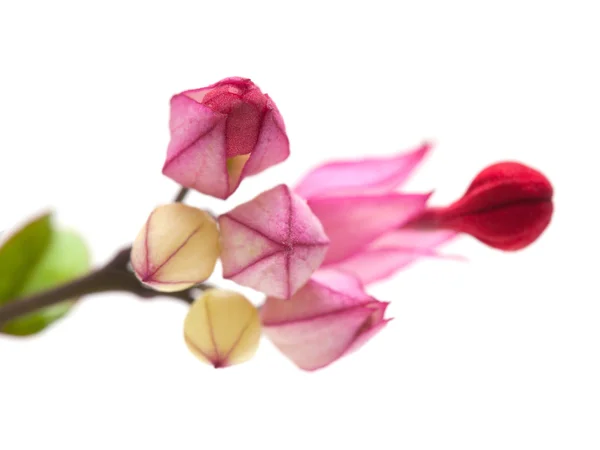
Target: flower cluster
311 249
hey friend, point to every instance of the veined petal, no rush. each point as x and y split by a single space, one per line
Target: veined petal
367 176
272 243
417 239
272 146
222 328
196 157
188 122
354 222
393 252
177 247
345 283
323 294
364 337
316 343
329 317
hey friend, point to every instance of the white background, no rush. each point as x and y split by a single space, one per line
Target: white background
502 352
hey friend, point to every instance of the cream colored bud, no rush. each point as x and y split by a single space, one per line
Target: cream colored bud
177 248
222 328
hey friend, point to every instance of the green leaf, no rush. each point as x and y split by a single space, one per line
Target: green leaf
35 258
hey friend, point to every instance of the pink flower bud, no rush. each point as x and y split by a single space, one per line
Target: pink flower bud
272 243
331 316
221 134
507 206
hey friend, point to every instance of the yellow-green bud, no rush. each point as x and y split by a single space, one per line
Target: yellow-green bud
177 248
222 328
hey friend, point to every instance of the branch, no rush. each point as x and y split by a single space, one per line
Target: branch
115 276
181 194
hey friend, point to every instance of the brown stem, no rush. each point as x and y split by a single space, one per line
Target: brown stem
181 194
115 276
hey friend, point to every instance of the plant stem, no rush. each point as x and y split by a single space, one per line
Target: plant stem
181 194
115 276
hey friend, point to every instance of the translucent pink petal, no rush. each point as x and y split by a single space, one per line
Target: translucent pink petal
322 322
353 222
306 259
392 252
318 342
267 274
409 238
319 296
272 243
344 283
247 244
236 85
198 94
272 146
367 176
364 337
196 154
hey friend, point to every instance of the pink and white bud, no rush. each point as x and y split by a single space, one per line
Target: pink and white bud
177 247
272 243
221 134
330 317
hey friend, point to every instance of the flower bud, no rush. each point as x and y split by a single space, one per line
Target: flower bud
221 134
272 243
507 206
330 317
222 328
177 248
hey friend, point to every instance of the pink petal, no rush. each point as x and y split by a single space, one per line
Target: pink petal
392 252
353 222
318 342
321 323
247 244
344 282
267 274
363 338
236 85
272 146
198 94
272 243
196 153
322 295
367 176
409 238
